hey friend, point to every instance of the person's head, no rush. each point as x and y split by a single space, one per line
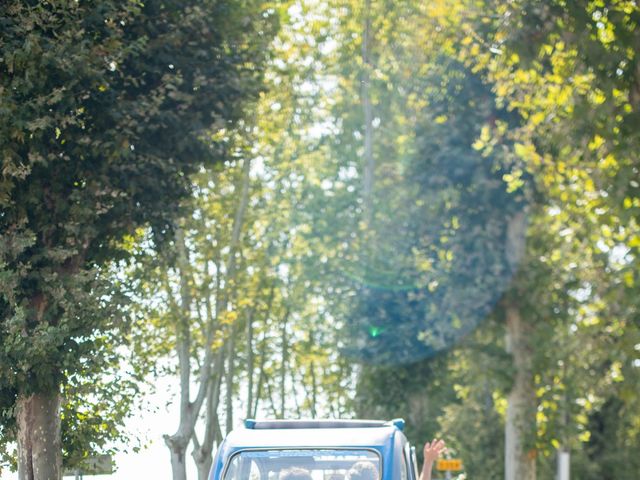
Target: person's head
295 473
363 471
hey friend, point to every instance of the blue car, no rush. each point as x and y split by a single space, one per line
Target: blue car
325 449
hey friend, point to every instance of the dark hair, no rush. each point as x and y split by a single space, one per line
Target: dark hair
295 473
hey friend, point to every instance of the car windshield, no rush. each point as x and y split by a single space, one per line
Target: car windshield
315 464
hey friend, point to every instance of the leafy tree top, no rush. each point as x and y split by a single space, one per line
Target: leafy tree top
106 109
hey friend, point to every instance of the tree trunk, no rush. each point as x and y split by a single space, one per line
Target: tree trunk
312 374
283 365
520 428
229 379
178 448
369 162
250 366
203 469
261 376
314 391
39 437
203 454
178 442
253 407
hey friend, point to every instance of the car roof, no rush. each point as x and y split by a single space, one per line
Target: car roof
310 435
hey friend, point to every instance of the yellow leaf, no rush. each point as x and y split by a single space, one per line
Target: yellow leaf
608 162
228 317
520 149
478 145
597 97
596 143
628 279
537 118
585 436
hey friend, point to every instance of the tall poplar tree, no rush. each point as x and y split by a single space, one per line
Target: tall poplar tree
105 111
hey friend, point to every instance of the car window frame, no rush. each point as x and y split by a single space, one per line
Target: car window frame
414 462
283 449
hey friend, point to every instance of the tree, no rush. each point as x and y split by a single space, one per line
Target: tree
234 288
104 109
570 70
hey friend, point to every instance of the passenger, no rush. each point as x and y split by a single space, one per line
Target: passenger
432 450
295 473
363 470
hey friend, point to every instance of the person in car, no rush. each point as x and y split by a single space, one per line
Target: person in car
295 473
367 471
363 470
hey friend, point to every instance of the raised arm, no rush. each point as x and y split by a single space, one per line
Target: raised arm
432 450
